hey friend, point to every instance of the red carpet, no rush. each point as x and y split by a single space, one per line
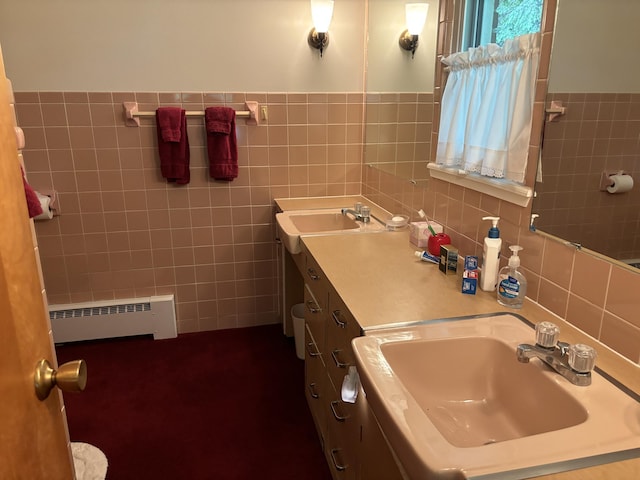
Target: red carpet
225 405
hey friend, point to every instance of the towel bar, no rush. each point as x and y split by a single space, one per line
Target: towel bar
555 110
132 115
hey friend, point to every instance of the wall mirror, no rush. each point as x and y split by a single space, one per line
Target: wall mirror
399 91
594 74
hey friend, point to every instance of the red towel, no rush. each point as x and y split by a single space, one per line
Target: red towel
33 202
220 123
170 122
173 144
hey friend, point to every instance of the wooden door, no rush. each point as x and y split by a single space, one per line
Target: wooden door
34 442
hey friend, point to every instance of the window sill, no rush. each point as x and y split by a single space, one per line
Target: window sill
503 189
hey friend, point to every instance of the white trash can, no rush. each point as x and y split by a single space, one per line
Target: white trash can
297 315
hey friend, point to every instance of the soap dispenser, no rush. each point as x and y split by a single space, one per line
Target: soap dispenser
491 256
512 285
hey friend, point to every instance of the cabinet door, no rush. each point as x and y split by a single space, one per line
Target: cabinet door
315 385
377 461
341 329
315 314
343 441
343 418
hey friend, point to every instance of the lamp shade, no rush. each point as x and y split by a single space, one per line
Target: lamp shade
321 12
416 17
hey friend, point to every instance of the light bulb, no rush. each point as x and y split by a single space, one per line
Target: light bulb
321 12
416 17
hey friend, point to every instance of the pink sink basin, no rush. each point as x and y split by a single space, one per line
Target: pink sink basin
322 222
454 403
473 400
292 224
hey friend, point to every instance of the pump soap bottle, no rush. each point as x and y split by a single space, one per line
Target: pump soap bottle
491 256
512 285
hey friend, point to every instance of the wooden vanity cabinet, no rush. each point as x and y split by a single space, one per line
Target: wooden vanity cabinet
315 376
316 289
341 329
329 329
316 298
344 421
342 446
377 462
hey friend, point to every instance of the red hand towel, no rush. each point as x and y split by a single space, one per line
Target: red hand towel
170 121
33 203
220 123
174 154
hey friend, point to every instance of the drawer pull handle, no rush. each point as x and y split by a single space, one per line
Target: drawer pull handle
313 307
339 364
312 274
339 466
312 391
312 353
336 318
336 414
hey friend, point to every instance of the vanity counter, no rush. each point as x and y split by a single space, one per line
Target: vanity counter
382 283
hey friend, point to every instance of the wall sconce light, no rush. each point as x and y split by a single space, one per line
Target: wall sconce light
416 17
321 12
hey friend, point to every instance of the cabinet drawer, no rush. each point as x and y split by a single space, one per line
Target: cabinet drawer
343 438
315 386
315 314
341 329
313 274
314 277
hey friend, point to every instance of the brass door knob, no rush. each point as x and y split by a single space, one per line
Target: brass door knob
70 377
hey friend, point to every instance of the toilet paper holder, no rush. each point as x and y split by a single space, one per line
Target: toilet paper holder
605 178
54 206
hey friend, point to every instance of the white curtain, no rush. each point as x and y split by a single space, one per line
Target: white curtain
487 105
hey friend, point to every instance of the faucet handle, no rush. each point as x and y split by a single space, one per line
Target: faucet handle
547 334
365 211
582 358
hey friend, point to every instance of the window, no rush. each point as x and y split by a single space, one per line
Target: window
494 21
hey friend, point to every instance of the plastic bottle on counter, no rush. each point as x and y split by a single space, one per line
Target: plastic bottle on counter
491 256
512 284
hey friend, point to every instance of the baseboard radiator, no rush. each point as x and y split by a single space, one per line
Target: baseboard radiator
114 318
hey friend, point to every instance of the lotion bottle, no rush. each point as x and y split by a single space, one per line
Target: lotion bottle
512 284
491 257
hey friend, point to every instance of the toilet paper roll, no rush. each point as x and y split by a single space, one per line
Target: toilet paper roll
620 183
45 203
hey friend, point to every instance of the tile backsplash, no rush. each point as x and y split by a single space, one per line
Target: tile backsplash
125 232
398 132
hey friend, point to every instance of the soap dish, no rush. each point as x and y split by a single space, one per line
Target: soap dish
397 222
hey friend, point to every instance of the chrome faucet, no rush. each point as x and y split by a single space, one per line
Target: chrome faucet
573 362
362 213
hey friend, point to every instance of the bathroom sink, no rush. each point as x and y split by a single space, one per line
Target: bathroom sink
454 402
473 400
322 222
292 224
